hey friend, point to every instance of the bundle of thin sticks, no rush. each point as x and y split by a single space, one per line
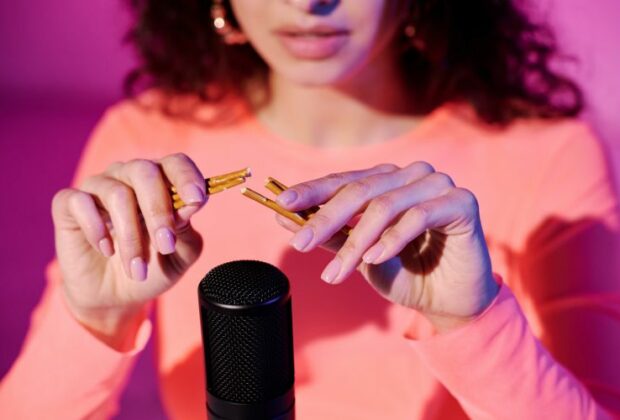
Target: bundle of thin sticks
215 184
223 182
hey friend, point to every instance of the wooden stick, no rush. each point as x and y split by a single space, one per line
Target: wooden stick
221 179
178 203
294 217
278 188
275 186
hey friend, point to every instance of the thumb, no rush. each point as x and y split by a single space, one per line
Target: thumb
189 246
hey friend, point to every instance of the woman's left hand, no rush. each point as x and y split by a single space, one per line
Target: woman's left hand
418 241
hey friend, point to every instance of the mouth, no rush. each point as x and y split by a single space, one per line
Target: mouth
313 43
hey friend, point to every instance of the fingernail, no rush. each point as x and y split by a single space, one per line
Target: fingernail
302 238
373 253
287 197
331 271
138 269
105 246
165 240
192 194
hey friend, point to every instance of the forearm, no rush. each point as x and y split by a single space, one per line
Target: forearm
63 371
498 369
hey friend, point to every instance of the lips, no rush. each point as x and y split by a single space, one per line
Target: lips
313 43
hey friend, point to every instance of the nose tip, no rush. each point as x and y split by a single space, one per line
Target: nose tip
317 7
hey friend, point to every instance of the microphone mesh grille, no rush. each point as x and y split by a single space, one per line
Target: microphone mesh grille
248 356
244 283
256 362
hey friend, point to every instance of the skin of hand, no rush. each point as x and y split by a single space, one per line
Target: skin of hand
418 240
120 244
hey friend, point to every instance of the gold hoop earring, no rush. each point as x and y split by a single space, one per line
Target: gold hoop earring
413 41
223 28
410 30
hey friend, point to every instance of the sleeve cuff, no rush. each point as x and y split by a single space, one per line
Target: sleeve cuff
496 368
422 331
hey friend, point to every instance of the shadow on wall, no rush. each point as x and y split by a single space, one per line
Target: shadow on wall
571 271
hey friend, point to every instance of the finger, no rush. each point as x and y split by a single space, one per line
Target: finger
380 213
455 213
318 191
287 223
119 201
151 190
333 244
189 248
354 197
185 175
73 208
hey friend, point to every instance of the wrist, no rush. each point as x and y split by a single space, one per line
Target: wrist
446 322
118 333
117 328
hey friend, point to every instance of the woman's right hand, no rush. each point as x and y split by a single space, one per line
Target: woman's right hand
120 243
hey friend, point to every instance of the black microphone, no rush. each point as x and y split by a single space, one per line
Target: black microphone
247 336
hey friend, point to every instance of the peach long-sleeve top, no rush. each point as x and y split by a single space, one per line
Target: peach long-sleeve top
547 348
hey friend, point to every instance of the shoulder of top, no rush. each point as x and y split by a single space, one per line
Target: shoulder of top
539 132
557 136
560 129
157 108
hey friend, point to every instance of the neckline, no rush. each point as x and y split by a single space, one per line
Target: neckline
304 151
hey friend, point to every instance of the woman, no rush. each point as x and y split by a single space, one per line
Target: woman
516 322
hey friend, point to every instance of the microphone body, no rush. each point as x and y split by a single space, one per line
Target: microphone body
247 333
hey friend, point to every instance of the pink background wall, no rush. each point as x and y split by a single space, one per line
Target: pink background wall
62 63
590 30
65 46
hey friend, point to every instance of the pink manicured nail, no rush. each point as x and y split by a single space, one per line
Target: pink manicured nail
373 253
302 238
165 240
138 269
331 270
105 246
192 194
286 197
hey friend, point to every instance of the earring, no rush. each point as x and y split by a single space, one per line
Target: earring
223 28
412 41
410 30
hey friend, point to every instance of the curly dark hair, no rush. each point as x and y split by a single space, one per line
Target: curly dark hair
487 53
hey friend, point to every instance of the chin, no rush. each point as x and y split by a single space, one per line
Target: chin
318 74
312 79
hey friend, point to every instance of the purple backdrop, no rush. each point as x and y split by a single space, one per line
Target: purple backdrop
62 64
